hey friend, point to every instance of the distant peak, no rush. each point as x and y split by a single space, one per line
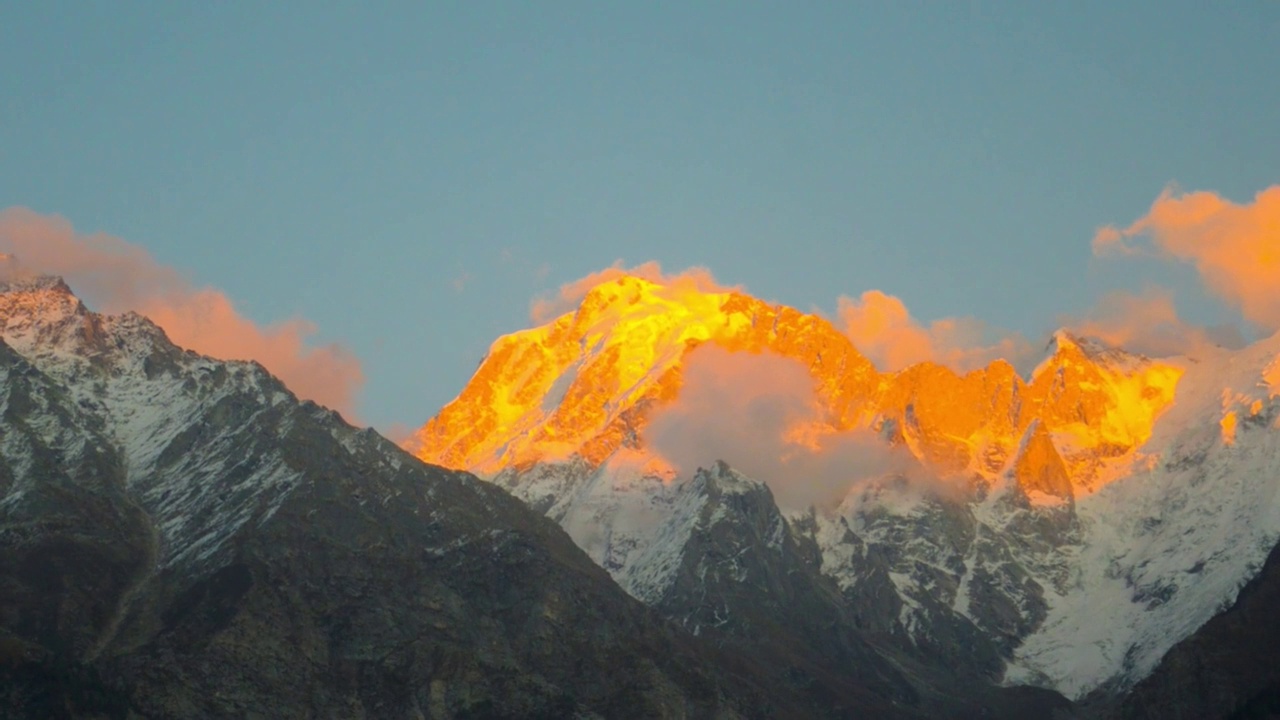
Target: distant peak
1066 342
33 283
629 280
633 288
16 278
615 289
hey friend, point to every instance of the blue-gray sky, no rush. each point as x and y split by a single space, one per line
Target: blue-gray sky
409 177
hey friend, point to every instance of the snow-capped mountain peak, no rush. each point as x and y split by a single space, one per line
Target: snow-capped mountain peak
1054 494
28 300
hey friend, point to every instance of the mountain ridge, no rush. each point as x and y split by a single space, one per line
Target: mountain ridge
587 383
1044 479
182 537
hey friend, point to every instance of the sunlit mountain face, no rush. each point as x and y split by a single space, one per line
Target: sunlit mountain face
588 384
730 461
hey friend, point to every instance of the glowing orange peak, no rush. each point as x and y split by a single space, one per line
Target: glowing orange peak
585 384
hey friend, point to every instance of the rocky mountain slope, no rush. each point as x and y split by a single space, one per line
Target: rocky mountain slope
1071 527
181 537
1227 668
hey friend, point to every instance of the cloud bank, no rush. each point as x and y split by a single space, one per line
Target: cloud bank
1148 324
882 329
1235 248
760 413
118 276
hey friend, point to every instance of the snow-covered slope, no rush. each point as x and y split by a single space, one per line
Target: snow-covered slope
188 429
1167 545
625 514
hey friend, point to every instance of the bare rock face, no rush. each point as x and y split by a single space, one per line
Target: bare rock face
1038 467
752 579
73 544
744 578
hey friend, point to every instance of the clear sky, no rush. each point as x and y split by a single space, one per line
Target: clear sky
408 177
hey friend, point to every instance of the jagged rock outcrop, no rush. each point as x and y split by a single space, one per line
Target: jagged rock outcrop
1038 467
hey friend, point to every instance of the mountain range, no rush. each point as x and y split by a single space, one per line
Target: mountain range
669 502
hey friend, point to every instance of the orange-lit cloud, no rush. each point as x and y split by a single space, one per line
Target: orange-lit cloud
567 298
117 276
755 412
1109 240
1149 324
398 433
1235 248
882 329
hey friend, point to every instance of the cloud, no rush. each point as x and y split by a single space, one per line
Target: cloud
399 433
760 414
1235 248
1108 240
1149 324
117 276
566 299
882 329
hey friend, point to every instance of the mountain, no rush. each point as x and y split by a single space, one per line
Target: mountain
581 386
182 537
1065 530
1227 668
